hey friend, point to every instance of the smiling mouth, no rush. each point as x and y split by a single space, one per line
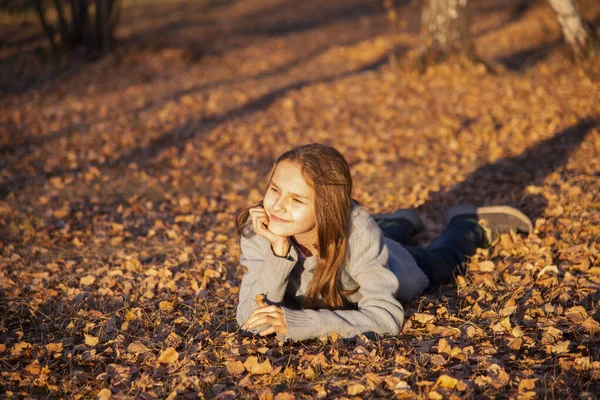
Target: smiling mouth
277 219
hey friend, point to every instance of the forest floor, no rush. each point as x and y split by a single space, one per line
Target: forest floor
120 180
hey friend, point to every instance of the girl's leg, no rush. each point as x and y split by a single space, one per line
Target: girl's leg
400 230
448 254
400 226
468 228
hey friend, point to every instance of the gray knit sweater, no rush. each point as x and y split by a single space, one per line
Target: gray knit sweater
382 269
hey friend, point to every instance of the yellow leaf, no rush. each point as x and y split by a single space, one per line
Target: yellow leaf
235 368
486 266
355 389
476 309
446 381
166 306
53 347
591 325
433 395
137 347
517 332
576 314
309 373
87 280
104 394
502 326
444 347
168 356
423 318
91 340
527 384
437 360
582 363
289 373
516 344
285 396
551 335
254 367
507 310
34 368
547 270
560 347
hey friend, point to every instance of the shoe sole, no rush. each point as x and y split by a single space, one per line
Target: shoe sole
407 214
501 215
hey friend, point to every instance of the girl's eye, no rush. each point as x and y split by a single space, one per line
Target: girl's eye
273 189
298 201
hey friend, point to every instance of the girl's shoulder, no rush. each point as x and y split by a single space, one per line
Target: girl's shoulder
362 223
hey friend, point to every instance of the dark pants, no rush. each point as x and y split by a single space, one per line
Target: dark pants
447 255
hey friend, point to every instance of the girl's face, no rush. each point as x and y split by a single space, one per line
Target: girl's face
290 204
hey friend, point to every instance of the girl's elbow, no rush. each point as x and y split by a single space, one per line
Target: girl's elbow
241 316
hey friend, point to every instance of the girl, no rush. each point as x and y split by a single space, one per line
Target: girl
322 264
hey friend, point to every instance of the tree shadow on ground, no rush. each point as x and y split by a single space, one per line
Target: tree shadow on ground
24 144
527 58
180 136
177 138
505 181
287 25
282 19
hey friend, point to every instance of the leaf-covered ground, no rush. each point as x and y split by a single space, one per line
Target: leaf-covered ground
120 180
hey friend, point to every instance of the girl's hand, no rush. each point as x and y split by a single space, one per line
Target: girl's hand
269 315
260 223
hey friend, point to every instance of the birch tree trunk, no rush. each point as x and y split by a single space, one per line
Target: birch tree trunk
445 30
582 40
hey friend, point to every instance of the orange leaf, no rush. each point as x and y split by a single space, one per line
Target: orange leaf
254 367
168 356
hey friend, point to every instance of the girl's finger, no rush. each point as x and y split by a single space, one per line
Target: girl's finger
274 328
267 331
261 319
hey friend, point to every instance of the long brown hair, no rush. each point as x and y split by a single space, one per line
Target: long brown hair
326 170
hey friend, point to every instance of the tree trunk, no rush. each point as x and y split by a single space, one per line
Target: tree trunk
102 25
445 30
581 38
39 8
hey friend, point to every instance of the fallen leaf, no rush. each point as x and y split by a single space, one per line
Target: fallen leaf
168 356
137 348
560 347
235 368
87 280
91 340
576 314
527 384
423 318
486 266
104 394
166 306
446 381
254 367
51 347
354 389
547 270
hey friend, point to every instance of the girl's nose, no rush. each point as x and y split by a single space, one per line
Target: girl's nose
278 205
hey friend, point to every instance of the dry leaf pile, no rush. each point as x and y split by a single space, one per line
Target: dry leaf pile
120 181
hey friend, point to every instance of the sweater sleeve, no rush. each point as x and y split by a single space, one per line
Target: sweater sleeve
378 310
267 274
